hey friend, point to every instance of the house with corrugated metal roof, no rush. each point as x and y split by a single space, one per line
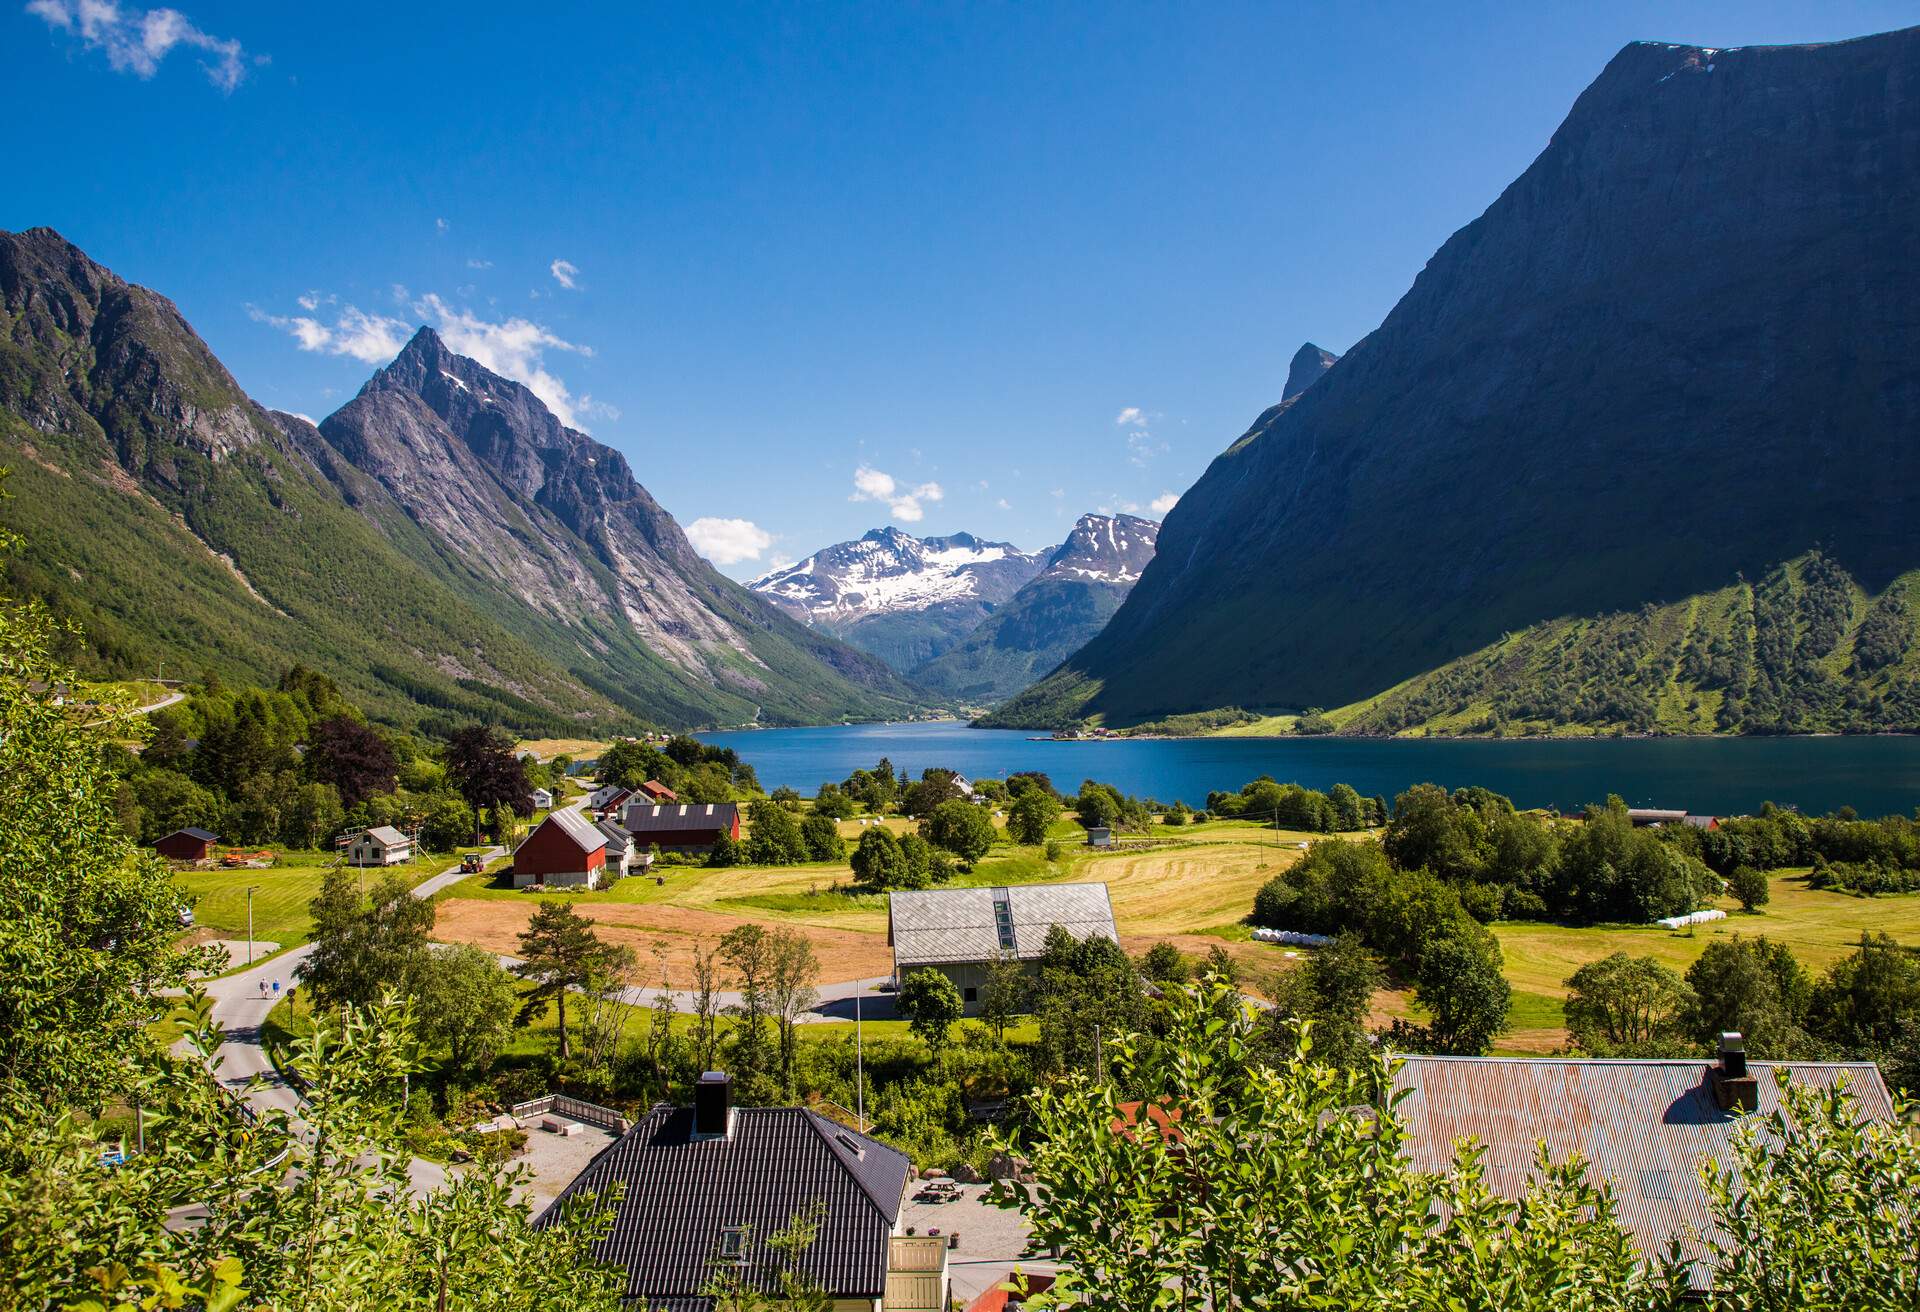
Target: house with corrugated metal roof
382 845
706 1187
686 827
1643 1125
566 849
961 931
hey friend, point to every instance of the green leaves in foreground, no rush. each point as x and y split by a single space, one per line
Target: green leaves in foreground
313 1213
1245 1185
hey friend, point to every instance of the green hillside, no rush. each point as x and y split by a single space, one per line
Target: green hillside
1803 650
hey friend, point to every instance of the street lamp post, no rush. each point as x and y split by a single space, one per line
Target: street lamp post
250 888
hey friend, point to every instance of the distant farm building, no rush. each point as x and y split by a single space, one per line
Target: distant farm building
687 827
623 854
187 845
961 931
607 795
1099 836
382 845
566 849
542 800
656 791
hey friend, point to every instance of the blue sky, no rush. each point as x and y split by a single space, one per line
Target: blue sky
813 268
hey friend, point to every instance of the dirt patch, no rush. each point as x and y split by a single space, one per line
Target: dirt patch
495 925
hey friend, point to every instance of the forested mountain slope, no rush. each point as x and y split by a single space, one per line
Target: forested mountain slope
1679 350
181 525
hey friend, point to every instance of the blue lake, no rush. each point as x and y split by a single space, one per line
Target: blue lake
1721 776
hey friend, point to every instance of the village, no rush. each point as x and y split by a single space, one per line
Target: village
908 1225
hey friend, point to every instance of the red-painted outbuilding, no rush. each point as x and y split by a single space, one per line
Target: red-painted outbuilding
683 828
658 791
187 845
566 848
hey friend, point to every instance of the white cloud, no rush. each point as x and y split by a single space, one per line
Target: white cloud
1057 493
728 541
513 348
137 41
373 338
1131 417
309 418
1161 504
479 264
1002 503
440 227
869 484
564 272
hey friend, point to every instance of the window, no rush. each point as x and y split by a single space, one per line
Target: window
973 995
733 1244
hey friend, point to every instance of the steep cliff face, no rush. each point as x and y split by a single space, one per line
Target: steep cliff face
443 540
1679 348
1067 603
905 599
558 521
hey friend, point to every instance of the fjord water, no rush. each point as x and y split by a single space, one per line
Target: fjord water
1720 776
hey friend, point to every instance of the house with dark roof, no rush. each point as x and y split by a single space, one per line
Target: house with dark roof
686 827
564 850
960 931
189 844
704 1188
1643 1125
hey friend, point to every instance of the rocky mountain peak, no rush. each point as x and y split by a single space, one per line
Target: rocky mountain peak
889 571
1309 362
1106 548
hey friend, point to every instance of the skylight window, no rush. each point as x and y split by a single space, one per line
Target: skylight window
733 1243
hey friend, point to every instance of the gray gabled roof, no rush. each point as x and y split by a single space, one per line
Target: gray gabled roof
194 831
1644 1125
618 839
939 926
680 1193
585 835
387 836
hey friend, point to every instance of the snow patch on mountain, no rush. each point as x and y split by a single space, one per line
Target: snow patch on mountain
889 571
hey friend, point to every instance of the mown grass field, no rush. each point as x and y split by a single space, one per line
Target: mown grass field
281 895
1191 889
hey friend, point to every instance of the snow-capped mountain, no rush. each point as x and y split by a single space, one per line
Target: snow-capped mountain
1105 549
902 598
1061 609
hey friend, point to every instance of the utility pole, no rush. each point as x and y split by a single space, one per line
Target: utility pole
250 888
859 1068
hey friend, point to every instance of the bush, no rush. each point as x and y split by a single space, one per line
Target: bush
1750 886
1033 813
1523 904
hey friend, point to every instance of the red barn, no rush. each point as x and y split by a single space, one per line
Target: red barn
658 791
683 828
564 849
187 845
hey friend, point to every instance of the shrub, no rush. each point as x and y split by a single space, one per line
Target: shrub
1749 886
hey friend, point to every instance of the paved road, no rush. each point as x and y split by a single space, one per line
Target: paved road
241 1008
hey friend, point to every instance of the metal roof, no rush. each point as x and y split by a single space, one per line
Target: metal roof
1643 1125
387 836
643 817
575 826
942 926
618 839
193 831
778 1161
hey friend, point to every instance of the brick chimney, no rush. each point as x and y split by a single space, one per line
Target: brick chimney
1734 1087
713 1106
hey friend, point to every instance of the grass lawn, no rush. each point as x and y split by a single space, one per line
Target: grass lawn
1820 926
281 893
